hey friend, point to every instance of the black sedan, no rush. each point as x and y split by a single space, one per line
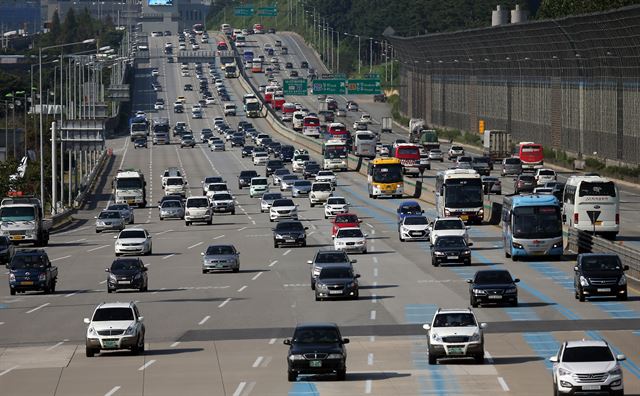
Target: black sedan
337 282
140 143
247 151
237 141
311 171
450 249
289 232
308 340
127 273
188 87
493 287
244 180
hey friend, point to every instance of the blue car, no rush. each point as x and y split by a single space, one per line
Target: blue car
408 208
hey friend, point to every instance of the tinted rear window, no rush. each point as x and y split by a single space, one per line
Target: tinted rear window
599 189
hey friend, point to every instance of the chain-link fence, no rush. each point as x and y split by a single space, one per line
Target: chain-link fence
572 84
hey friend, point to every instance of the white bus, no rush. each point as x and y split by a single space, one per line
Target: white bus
595 194
459 193
334 155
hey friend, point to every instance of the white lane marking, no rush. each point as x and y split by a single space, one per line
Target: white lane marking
1 323
375 272
163 232
175 344
503 384
375 259
96 248
370 359
373 232
273 263
488 356
8 370
374 298
37 308
219 236
60 258
249 217
204 320
103 282
112 391
147 364
368 384
239 389
375 284
311 233
257 362
224 302
76 241
287 252
373 315
168 256
253 222
372 338
369 225
197 244
52 347
74 293
256 276
242 288
242 229
272 341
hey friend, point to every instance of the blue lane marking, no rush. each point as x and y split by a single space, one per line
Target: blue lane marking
558 276
3 306
628 364
303 389
419 313
617 309
637 332
544 345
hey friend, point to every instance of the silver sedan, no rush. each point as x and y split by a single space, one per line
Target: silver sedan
125 210
109 220
171 210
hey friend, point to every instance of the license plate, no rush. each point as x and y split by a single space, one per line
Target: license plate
335 291
110 344
452 257
17 237
492 297
604 290
456 351
290 240
26 283
315 363
599 222
124 282
464 217
130 201
591 387
537 253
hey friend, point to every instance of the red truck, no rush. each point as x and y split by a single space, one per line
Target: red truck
409 156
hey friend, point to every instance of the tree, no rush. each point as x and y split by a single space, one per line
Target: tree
55 25
562 8
69 27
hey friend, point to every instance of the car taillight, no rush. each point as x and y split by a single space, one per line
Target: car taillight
575 218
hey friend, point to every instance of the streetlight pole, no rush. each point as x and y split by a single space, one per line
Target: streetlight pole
370 54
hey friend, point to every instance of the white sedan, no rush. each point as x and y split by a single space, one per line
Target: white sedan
260 158
414 228
283 209
326 176
350 239
334 206
133 241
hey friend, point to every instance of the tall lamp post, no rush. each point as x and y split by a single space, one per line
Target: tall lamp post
88 41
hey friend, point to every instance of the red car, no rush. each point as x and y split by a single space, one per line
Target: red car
343 220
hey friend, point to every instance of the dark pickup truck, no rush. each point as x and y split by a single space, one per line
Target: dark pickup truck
30 269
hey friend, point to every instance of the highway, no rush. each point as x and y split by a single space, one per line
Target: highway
222 333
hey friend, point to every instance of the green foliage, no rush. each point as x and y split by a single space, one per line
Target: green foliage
394 102
470 138
562 8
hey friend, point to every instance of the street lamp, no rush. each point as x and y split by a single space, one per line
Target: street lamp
88 41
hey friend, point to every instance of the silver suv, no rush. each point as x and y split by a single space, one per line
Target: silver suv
115 326
587 367
455 333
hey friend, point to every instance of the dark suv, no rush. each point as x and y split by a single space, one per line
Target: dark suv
127 273
317 348
289 232
244 180
599 274
482 165
272 165
524 183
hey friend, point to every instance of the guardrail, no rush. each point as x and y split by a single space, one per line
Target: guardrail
90 179
585 242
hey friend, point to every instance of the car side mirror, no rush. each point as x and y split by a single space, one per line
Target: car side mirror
366 235
576 268
115 237
517 280
148 236
345 340
354 261
95 217
306 228
483 325
202 253
470 244
309 262
286 342
140 318
553 359
333 236
621 357
467 227
357 275
106 270
564 218
359 221
625 268
426 326
86 321
469 280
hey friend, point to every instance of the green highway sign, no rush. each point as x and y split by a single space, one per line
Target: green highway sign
267 11
246 10
296 87
363 87
328 87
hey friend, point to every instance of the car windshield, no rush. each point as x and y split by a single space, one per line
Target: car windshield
512 161
248 174
450 243
174 181
220 249
17 213
301 158
171 204
335 273
125 265
415 220
218 187
347 219
118 207
197 203
587 354
490 277
112 314
467 194
281 172
316 336
387 174
271 196
601 263
347 233
28 261
546 173
222 197
600 189
109 215
454 320
410 209
527 178
322 187
213 179
132 234
259 182
336 201
332 257
537 222
283 202
289 178
448 225
293 226
302 183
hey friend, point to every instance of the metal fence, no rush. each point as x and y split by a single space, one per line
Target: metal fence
571 84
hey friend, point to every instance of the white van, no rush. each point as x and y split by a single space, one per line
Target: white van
197 209
595 194
298 120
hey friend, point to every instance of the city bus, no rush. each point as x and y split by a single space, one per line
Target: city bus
198 28
531 226
334 155
384 178
531 154
459 193
599 195
256 65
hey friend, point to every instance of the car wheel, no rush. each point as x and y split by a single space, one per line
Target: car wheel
341 375
292 376
473 302
209 222
402 239
432 359
270 220
97 231
186 223
12 291
109 290
514 258
233 212
318 297
117 254
479 358
161 218
236 270
581 296
304 243
275 244
435 262
312 204
89 352
313 285
514 303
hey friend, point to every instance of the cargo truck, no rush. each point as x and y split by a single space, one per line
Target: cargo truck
138 127
129 186
22 220
497 144
419 134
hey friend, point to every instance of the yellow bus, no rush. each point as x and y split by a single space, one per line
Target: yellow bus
384 178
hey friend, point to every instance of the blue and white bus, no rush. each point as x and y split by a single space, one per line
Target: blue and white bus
531 226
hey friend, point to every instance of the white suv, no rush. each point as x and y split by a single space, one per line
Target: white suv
448 226
587 366
455 333
545 176
114 326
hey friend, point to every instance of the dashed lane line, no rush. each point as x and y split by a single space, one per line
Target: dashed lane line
147 364
222 304
60 258
112 391
204 320
503 384
7 371
97 248
239 389
242 288
257 362
273 263
194 245
37 308
256 276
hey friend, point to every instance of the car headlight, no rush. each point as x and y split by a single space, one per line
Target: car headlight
562 372
100 223
616 371
130 330
138 276
351 284
466 252
481 212
296 357
12 277
359 242
479 291
334 356
42 277
511 290
622 281
439 253
112 277
583 281
557 245
516 245
436 337
92 331
321 285
475 337
279 236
